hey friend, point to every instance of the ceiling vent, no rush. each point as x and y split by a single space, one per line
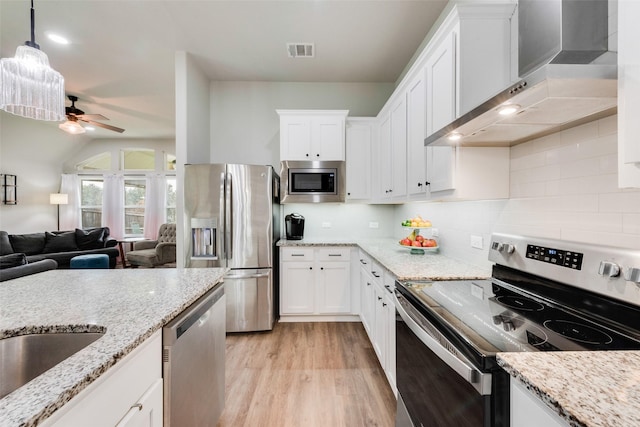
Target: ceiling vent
301 50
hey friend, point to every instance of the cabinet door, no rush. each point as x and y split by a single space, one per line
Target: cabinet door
358 167
390 325
295 140
384 157
297 288
367 298
416 133
333 287
327 138
399 148
441 168
441 85
147 411
380 330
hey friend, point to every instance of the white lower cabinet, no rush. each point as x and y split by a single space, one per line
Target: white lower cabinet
128 394
315 282
529 411
378 313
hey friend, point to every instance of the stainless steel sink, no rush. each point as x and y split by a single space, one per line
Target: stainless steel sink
24 357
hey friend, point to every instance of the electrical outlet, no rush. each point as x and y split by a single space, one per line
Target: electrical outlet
373 224
476 242
435 232
326 225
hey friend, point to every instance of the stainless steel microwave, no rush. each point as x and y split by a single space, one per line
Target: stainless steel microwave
312 181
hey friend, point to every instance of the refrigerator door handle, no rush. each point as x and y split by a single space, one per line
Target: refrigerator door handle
228 226
247 276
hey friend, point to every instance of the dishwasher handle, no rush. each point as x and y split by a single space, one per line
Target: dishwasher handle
192 315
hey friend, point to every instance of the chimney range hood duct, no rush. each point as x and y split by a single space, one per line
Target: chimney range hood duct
560 86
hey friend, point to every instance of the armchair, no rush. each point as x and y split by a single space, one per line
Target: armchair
153 253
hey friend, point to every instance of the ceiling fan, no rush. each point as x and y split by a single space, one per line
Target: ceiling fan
74 115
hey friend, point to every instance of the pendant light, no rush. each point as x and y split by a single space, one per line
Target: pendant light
29 87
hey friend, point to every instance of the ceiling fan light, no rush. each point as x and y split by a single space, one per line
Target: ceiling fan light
72 127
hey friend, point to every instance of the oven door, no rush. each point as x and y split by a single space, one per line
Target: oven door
437 386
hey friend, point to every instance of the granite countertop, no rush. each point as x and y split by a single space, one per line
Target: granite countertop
399 261
130 305
585 388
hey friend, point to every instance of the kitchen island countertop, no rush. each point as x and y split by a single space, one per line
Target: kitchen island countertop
399 261
585 388
130 305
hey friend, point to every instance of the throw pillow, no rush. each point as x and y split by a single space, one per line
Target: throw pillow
62 242
5 244
30 244
12 260
90 239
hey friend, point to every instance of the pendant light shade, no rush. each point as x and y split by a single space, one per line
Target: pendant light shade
29 87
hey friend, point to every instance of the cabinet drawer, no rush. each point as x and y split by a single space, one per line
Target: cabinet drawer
377 271
296 254
365 260
334 254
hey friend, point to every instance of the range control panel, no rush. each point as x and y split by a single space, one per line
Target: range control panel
559 257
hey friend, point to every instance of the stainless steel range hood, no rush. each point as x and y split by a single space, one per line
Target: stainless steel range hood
561 86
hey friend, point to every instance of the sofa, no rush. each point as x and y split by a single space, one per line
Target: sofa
13 266
60 246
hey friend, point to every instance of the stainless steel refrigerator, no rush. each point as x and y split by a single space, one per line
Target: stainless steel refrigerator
232 219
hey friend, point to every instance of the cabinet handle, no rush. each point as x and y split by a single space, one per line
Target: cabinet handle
137 405
375 274
427 183
368 284
419 184
310 268
379 298
297 254
384 304
307 155
317 155
321 268
388 289
335 254
363 262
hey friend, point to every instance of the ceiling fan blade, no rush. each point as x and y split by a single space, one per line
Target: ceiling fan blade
91 117
102 125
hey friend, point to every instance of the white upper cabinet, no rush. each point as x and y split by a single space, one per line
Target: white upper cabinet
628 94
359 141
441 84
312 134
416 133
392 151
468 61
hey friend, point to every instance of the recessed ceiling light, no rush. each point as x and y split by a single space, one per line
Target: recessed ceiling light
57 39
454 136
509 109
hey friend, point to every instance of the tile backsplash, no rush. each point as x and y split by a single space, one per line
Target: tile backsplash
562 186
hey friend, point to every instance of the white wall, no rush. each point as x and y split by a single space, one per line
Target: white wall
245 127
347 221
563 186
34 151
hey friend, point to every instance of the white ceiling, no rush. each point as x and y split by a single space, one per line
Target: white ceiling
120 62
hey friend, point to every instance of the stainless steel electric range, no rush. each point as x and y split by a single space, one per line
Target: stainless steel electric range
544 295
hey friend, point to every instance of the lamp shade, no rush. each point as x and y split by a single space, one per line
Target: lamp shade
58 199
72 126
29 87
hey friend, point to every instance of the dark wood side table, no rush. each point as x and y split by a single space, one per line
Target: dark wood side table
129 241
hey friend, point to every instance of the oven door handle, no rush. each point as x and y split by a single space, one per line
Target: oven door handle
413 319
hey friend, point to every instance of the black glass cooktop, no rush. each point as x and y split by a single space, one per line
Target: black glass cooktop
492 316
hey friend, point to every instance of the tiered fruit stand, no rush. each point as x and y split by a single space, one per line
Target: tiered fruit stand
414 249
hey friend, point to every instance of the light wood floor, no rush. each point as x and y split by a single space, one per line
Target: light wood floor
306 375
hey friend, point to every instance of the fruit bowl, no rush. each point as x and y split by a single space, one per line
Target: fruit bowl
415 250
415 228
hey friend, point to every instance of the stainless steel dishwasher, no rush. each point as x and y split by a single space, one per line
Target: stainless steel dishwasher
193 362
